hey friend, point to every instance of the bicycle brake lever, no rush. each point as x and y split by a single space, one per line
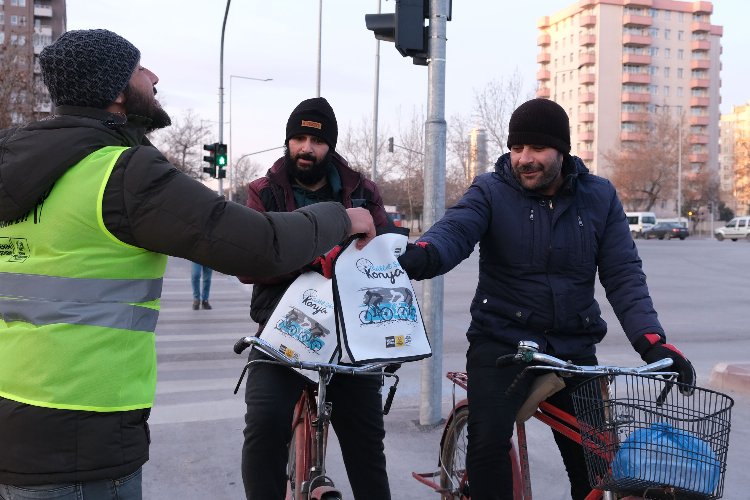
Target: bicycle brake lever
389 399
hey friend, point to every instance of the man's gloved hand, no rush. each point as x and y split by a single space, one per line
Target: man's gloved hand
420 260
324 263
652 348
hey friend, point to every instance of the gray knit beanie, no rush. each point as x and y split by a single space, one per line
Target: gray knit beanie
88 67
540 122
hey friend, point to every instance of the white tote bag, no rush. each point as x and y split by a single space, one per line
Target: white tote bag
303 324
378 314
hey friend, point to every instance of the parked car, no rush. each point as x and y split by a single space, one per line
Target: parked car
667 230
639 222
736 229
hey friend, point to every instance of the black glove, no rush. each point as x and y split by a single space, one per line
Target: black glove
420 260
652 348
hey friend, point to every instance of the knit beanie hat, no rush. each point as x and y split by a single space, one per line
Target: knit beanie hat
313 117
88 67
540 122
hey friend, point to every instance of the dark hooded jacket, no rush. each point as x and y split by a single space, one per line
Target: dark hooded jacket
150 204
274 193
539 257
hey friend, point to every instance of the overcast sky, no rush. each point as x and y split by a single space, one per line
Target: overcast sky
487 40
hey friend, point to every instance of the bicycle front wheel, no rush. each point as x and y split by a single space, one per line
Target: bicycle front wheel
453 478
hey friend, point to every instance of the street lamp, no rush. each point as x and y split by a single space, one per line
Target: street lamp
679 161
231 142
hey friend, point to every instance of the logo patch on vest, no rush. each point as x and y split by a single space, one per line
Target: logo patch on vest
15 248
310 123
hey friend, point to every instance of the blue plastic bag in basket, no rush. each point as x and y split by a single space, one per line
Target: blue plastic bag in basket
664 455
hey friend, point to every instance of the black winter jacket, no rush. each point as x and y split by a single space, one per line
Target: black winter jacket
539 257
273 193
149 204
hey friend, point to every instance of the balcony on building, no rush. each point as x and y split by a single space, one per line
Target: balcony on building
643 78
636 59
700 27
543 40
543 57
700 83
543 75
43 30
586 155
700 64
637 97
638 3
633 116
698 139
41 10
637 40
587 20
630 136
587 97
698 120
703 8
543 92
587 78
698 157
38 48
586 117
636 20
701 102
542 22
587 58
586 40
700 45
586 136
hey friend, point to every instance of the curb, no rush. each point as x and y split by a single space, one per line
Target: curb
731 376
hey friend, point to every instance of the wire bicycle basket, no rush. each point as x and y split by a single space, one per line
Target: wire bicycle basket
640 432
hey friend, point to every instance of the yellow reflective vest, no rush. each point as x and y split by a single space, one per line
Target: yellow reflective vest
78 307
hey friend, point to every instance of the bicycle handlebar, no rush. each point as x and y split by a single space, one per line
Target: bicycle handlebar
528 353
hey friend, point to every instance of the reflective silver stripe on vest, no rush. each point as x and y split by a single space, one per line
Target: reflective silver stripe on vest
104 314
57 288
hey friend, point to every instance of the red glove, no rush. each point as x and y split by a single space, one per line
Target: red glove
652 348
324 263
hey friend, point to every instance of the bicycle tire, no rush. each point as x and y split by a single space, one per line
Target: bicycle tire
385 313
453 456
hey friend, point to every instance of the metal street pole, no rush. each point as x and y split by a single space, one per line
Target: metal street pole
231 129
434 207
679 172
221 88
320 39
374 173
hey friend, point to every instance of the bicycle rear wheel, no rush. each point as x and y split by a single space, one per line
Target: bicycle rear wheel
453 477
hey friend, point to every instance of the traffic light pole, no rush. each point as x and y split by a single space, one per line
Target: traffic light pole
434 207
221 88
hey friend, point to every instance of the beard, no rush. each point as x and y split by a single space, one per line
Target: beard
548 177
147 107
310 175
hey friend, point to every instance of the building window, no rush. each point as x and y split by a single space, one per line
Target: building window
680 35
679 91
680 53
680 72
653 90
667 34
666 91
666 71
14 20
653 51
2 35
667 53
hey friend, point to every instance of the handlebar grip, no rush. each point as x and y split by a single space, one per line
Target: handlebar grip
241 345
389 400
505 360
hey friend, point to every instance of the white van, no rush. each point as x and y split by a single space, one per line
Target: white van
736 229
638 221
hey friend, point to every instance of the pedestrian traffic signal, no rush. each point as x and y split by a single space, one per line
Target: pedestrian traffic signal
406 28
210 158
390 144
221 160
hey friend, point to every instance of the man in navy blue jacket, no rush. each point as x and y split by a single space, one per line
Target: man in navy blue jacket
545 226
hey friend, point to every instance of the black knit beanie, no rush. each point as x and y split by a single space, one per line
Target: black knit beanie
88 67
540 122
313 117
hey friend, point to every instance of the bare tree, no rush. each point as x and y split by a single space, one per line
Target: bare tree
245 171
355 145
493 106
645 169
741 172
22 97
182 143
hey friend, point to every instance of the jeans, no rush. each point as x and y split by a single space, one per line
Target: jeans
196 278
357 417
492 414
125 488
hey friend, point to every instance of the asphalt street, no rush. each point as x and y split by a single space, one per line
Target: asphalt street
699 287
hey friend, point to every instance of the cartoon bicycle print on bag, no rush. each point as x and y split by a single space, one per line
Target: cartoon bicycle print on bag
382 305
306 330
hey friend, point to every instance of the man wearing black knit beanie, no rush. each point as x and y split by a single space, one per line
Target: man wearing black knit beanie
92 210
310 172
545 227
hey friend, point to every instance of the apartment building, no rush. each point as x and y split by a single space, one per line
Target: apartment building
26 27
734 160
612 63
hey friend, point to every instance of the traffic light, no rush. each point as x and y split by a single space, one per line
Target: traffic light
406 28
390 144
210 158
221 160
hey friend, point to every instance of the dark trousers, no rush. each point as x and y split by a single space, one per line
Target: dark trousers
357 417
492 414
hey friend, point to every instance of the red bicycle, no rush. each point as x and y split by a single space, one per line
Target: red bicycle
619 411
306 469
